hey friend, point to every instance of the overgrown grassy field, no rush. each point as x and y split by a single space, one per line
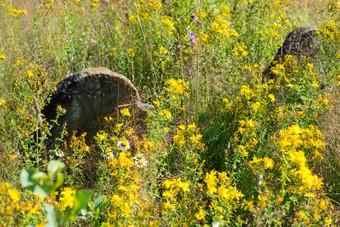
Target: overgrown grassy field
223 147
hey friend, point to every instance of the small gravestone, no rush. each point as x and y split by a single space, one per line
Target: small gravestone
87 97
302 42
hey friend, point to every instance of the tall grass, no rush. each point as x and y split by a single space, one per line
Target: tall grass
220 146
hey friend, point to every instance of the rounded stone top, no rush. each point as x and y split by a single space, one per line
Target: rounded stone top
87 97
301 42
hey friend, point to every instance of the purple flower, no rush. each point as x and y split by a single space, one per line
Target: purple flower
229 22
194 17
192 38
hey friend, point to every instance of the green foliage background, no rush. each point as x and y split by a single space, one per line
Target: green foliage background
220 54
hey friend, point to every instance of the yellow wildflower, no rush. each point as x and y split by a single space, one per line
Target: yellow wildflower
169 193
268 163
126 209
166 113
125 112
297 157
183 185
315 85
200 215
168 205
271 97
67 199
101 136
29 73
116 200
211 181
1 55
14 194
302 215
166 20
179 87
167 183
2 101
196 138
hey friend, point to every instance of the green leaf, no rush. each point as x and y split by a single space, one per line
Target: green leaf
100 203
95 222
29 179
54 167
81 199
91 206
39 175
26 177
51 217
69 215
59 181
217 223
83 212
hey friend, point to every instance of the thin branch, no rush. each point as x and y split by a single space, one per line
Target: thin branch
187 12
40 120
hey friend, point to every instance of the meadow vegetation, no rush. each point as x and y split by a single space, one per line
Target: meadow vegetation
222 148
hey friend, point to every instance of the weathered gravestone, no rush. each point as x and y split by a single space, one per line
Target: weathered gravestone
87 97
302 42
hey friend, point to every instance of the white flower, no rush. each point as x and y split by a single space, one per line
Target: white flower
138 157
108 155
60 153
140 163
124 145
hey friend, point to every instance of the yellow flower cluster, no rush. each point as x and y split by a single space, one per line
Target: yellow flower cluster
67 199
124 201
225 197
126 198
173 96
95 3
125 112
101 136
221 25
2 56
295 137
46 6
12 12
224 190
168 21
130 204
284 174
262 163
211 181
165 113
247 92
78 148
331 30
333 5
173 188
179 87
292 141
240 49
2 101
154 5
146 11
124 161
276 22
162 54
228 104
15 210
189 136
